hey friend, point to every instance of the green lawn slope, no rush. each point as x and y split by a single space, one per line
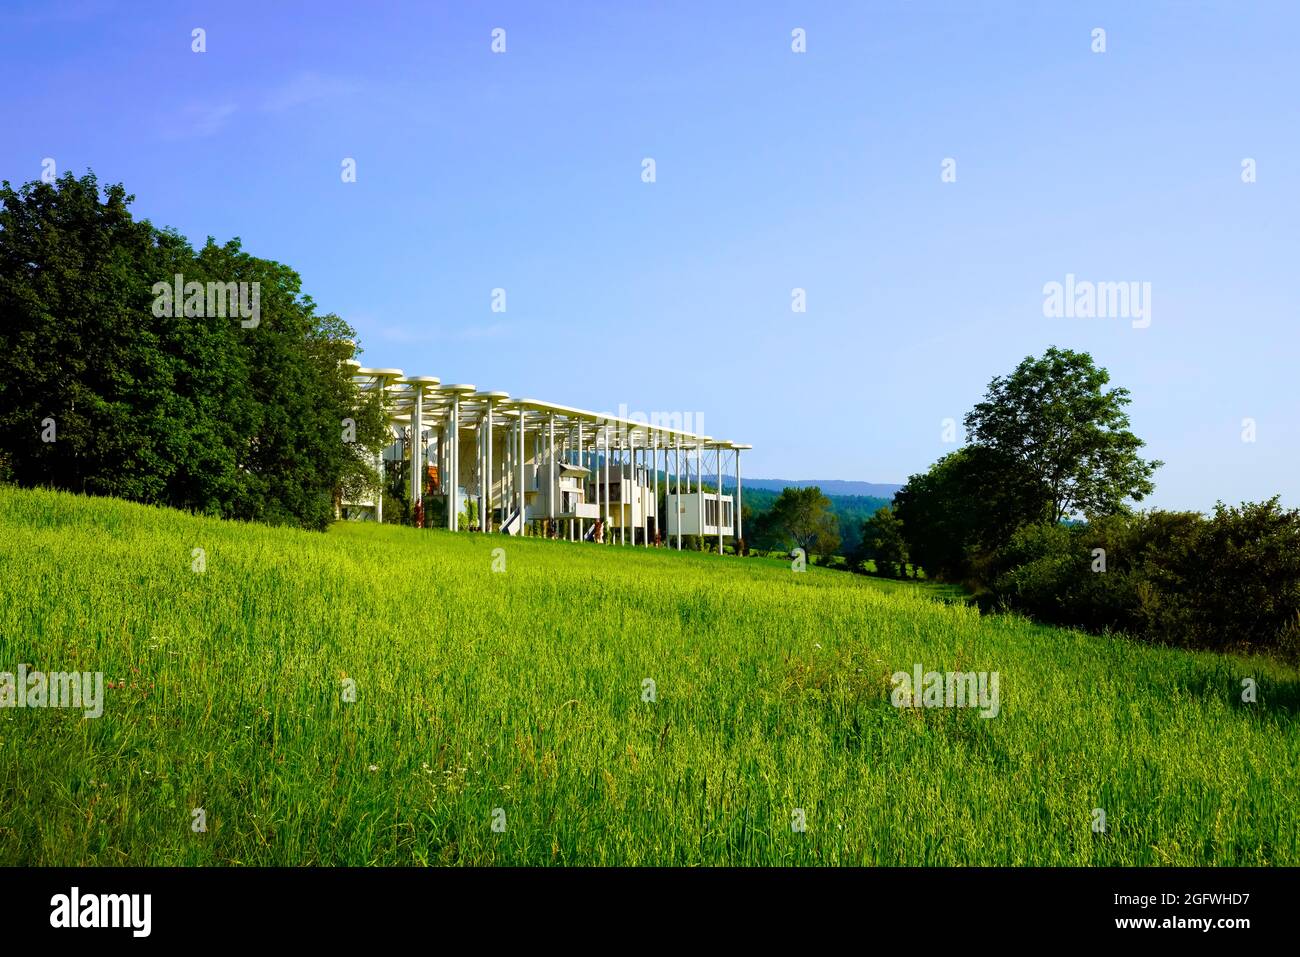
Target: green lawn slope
518 698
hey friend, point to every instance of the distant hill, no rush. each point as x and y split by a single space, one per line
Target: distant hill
829 486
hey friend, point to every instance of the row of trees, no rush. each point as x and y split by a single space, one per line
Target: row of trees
1034 514
102 392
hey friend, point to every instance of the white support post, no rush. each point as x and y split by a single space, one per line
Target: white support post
677 499
608 535
584 481
523 431
641 497
699 490
455 462
550 441
481 444
739 519
654 464
487 511
719 451
417 445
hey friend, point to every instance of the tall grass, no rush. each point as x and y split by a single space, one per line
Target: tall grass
523 690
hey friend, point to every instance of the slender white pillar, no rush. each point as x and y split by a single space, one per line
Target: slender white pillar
699 488
654 464
523 431
584 481
482 473
417 445
550 441
608 534
487 517
719 453
677 499
739 520
453 450
444 452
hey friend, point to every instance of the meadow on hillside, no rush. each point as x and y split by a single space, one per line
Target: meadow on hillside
571 704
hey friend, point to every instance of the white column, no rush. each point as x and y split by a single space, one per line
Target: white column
550 441
453 449
654 464
739 524
482 473
522 436
487 516
719 453
677 503
608 534
699 490
417 445
584 481
645 512
444 451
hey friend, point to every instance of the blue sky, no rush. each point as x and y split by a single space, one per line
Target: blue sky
775 170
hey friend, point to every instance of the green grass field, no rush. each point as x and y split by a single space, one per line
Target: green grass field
523 690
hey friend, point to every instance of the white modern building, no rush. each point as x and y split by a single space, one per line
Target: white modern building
523 466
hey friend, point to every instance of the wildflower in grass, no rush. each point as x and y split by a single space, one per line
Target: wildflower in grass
373 767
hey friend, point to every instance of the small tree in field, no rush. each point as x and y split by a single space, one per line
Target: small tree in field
802 517
883 543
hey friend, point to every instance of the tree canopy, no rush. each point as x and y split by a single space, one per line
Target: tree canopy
102 394
1054 418
1047 442
803 517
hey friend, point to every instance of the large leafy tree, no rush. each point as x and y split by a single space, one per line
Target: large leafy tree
1054 421
1048 442
967 504
198 412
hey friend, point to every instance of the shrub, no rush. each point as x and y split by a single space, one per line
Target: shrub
1229 582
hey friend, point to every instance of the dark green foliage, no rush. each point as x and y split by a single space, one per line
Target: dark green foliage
1058 430
1227 582
199 412
883 544
800 517
969 503
1047 442
398 509
850 512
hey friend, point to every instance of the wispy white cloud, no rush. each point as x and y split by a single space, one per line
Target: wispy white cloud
207 119
306 87
200 119
408 336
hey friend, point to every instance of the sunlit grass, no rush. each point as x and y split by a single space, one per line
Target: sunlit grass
523 690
